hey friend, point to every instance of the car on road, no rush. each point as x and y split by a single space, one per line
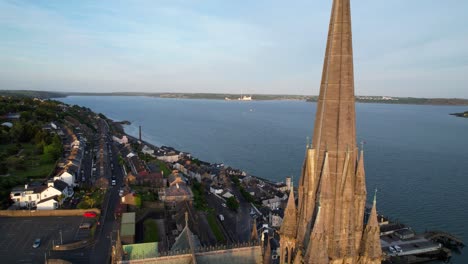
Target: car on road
90 214
113 182
223 204
398 249
121 192
86 225
37 243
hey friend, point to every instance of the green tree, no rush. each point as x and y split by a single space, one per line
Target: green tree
232 203
137 200
60 199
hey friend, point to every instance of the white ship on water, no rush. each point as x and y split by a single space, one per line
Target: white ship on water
243 98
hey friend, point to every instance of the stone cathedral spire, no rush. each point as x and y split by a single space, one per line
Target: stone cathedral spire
332 190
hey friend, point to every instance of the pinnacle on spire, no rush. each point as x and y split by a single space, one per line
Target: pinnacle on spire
360 187
288 227
254 233
307 196
375 198
317 252
370 247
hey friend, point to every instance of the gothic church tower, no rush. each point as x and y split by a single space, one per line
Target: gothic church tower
332 192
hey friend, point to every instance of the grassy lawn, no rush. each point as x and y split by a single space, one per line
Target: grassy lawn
151 231
163 167
146 193
38 171
215 227
34 166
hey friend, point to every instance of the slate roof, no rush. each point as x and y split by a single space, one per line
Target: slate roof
60 185
40 188
48 199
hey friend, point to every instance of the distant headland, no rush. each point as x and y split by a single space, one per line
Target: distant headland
229 97
464 114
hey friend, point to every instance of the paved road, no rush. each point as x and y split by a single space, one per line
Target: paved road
106 232
237 225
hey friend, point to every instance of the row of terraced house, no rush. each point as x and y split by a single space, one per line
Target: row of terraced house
50 194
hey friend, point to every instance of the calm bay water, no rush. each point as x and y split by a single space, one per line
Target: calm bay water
416 156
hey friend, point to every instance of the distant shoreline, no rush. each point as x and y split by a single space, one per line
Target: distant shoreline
233 97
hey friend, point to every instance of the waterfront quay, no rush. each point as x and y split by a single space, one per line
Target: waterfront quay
400 244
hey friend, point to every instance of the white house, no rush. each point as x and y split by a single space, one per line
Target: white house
31 196
180 168
67 177
194 175
49 192
169 157
48 204
276 218
227 194
216 191
123 140
26 196
272 203
147 150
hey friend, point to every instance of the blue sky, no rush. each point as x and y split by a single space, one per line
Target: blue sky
401 47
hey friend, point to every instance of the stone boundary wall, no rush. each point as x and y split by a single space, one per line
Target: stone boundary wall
74 245
153 205
32 213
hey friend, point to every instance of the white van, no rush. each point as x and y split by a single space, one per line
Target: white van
398 249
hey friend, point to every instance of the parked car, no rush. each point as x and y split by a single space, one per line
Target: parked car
85 225
90 214
37 243
398 249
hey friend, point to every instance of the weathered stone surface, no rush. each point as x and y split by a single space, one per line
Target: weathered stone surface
332 176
